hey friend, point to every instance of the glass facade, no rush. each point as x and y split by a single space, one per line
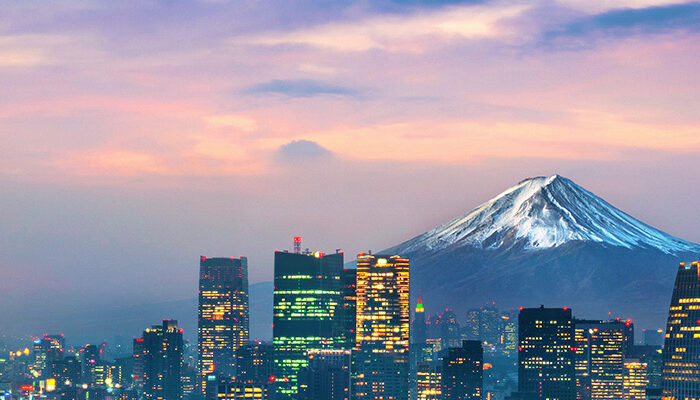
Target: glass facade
681 354
223 324
308 299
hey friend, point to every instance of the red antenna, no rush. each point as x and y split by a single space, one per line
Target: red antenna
297 244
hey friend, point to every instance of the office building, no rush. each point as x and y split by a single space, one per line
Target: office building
162 362
681 354
327 375
254 362
383 327
307 302
349 279
545 353
463 372
428 381
223 315
635 379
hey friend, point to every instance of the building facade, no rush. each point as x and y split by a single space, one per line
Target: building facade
163 362
681 354
223 313
463 372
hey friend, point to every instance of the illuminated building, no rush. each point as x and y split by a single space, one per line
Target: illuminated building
254 362
349 279
545 353
383 327
327 375
509 335
419 328
223 315
600 348
472 327
137 366
448 329
681 354
636 381
651 356
162 362
233 390
307 312
490 324
428 381
463 372
47 349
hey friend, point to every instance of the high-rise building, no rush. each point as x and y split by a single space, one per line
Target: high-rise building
231 389
428 381
448 329
636 380
419 334
162 361
254 362
138 365
308 300
463 372
681 354
651 356
383 327
327 375
472 328
349 279
653 337
223 315
600 348
546 353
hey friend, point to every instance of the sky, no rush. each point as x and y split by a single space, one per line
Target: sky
136 136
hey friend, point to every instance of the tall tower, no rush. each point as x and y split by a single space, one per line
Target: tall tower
223 315
546 353
383 327
463 372
349 307
419 327
162 362
681 354
308 298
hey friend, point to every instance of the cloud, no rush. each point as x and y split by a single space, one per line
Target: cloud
236 121
404 33
298 150
299 88
633 21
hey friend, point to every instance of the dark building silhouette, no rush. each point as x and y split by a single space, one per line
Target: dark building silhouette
327 375
349 279
223 315
681 354
307 302
463 372
162 362
383 327
254 362
546 353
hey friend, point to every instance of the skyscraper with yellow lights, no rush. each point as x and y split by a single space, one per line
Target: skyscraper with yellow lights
681 354
223 324
383 327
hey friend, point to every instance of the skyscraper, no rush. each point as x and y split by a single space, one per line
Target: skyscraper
223 315
463 372
308 299
419 328
162 361
383 327
546 353
636 380
428 381
681 354
254 362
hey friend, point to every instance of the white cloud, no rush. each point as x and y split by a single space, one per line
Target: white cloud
601 6
412 33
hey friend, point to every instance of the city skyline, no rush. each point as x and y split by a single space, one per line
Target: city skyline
135 137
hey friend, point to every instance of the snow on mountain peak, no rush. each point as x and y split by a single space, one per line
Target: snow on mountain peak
545 212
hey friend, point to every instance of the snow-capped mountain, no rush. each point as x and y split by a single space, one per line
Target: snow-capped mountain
545 212
548 241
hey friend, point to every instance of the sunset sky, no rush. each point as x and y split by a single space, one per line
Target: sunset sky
137 135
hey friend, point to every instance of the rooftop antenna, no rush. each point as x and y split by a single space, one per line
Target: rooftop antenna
297 244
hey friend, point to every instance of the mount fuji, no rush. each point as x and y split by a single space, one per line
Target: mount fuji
548 241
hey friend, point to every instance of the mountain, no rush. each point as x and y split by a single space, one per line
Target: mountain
548 241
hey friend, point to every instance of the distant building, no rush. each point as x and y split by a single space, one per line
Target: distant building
429 381
463 372
419 334
681 354
383 327
635 379
653 337
230 389
308 300
223 315
545 353
327 375
651 356
162 362
254 362
448 329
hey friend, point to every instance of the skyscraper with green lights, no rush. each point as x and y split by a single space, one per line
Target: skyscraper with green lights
308 302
